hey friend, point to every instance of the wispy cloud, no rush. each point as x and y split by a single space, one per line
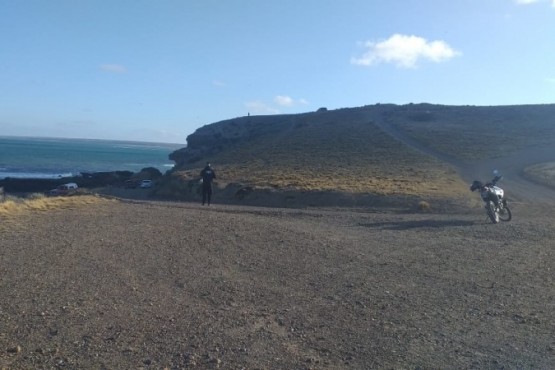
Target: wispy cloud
287 101
218 83
528 2
284 101
258 107
404 51
113 68
275 107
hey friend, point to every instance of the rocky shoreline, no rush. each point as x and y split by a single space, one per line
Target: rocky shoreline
84 180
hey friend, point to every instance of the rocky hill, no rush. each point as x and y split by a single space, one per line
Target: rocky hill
383 149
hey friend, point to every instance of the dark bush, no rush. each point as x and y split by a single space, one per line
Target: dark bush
150 173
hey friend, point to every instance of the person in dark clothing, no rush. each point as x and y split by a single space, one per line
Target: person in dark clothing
207 175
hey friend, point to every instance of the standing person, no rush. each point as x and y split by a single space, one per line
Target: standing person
207 175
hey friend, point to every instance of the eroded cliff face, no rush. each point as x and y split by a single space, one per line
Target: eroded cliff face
464 132
214 138
208 140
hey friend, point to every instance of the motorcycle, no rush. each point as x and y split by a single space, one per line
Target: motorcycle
496 204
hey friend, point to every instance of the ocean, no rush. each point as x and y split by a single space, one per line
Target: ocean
29 157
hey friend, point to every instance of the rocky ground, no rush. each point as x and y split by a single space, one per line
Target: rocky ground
138 284
147 284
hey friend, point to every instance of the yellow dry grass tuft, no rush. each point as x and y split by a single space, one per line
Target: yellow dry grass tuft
423 206
15 206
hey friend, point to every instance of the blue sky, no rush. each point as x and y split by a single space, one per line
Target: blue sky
158 70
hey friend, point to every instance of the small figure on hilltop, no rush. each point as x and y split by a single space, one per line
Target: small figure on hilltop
207 175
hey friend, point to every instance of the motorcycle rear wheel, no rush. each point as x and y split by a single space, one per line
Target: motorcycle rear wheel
505 214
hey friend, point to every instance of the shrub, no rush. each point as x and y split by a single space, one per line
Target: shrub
150 172
423 206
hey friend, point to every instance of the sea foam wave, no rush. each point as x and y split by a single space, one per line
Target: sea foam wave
33 175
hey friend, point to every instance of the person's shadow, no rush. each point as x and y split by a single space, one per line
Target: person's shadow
408 225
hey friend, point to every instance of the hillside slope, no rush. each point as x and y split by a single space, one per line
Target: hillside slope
351 150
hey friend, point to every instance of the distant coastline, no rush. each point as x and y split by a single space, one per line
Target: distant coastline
53 158
32 175
56 138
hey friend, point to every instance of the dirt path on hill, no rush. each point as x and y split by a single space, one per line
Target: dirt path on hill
153 285
518 188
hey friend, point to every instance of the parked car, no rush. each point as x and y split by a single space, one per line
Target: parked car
145 184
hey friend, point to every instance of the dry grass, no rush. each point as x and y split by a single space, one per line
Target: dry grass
346 150
344 153
423 206
13 206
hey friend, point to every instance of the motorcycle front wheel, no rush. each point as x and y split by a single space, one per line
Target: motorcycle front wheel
505 214
492 214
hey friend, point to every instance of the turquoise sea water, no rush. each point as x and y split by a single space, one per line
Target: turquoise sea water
26 157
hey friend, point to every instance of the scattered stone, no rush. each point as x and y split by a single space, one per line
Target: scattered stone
215 361
190 359
14 350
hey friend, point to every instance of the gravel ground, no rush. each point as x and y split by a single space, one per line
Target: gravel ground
123 285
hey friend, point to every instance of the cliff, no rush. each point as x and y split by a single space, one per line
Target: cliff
464 132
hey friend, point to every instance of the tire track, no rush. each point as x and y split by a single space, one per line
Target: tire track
519 189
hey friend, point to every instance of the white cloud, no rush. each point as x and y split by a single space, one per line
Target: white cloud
405 51
258 107
280 101
284 101
113 68
528 2
287 101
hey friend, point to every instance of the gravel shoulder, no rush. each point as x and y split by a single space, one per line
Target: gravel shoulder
178 285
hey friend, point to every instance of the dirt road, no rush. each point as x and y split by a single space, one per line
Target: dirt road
518 188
